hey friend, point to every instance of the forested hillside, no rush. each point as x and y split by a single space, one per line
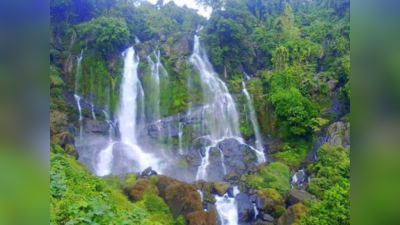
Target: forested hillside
161 116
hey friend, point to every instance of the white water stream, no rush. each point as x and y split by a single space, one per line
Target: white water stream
227 208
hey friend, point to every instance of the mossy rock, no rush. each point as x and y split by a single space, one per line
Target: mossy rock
269 200
202 218
58 122
293 214
182 199
162 184
221 187
140 188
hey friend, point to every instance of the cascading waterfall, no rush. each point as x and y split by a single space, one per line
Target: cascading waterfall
131 96
220 117
154 105
227 208
259 142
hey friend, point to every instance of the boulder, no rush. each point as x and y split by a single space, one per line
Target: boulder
332 84
293 214
95 126
148 172
266 217
245 208
221 187
162 184
269 200
296 196
339 134
140 188
182 199
202 218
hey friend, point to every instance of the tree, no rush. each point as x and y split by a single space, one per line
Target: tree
214 4
109 33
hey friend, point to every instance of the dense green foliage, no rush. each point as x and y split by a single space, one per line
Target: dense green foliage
332 186
275 175
292 49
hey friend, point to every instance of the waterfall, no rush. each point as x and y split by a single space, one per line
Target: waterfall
77 97
154 106
131 97
219 117
259 142
222 119
93 115
180 134
227 208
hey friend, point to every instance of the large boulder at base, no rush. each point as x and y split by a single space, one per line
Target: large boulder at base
339 134
266 217
202 218
182 199
221 187
163 182
296 196
245 208
293 214
269 200
141 187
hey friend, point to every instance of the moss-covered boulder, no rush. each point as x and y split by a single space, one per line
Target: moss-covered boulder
140 188
182 199
202 218
269 200
162 184
221 187
58 122
295 196
293 214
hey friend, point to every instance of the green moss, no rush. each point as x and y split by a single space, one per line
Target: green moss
154 179
275 175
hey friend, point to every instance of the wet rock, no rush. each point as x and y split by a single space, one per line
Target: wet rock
202 218
296 196
266 217
262 223
245 208
293 214
140 188
95 126
221 187
148 172
339 134
182 199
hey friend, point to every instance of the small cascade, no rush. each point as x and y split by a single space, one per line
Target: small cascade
110 124
154 86
78 102
259 142
93 115
227 208
180 134
256 212
77 97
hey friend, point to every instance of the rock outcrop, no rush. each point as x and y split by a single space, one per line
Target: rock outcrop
293 214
